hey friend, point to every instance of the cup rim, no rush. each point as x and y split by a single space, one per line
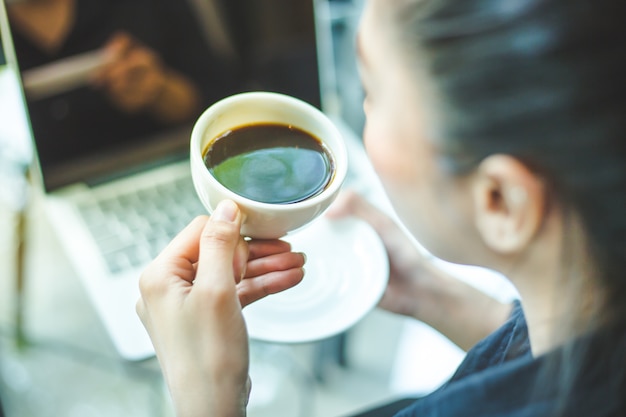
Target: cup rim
339 152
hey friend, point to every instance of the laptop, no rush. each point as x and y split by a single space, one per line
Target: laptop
113 210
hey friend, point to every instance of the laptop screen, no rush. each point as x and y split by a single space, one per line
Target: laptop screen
114 86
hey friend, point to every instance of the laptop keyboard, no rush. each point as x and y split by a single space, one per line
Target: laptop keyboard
131 228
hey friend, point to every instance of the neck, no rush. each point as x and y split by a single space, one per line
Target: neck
559 295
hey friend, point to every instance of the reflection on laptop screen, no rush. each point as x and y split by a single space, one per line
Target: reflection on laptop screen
120 88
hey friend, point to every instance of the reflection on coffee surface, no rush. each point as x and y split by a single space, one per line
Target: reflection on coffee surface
270 163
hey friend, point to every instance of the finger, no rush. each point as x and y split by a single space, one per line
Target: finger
145 58
111 78
218 242
140 309
185 244
130 66
277 262
397 243
119 44
343 205
123 75
349 203
175 260
240 263
115 49
251 290
261 248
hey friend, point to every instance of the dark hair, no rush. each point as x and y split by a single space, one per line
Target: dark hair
543 81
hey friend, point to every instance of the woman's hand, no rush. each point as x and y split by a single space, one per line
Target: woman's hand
406 263
135 79
418 289
191 303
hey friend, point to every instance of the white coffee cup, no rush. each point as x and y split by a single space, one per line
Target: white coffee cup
265 220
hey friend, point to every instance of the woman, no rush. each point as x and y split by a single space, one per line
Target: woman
497 128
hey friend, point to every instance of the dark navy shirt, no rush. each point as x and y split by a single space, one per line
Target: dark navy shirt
500 378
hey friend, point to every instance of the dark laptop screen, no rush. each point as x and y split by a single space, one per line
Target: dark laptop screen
90 87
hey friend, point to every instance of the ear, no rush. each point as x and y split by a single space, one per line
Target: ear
509 202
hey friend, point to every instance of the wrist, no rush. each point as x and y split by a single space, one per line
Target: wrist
201 395
432 291
461 312
213 401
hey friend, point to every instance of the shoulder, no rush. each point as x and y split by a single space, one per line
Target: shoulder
513 383
509 342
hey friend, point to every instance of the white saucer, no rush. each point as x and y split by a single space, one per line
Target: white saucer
346 274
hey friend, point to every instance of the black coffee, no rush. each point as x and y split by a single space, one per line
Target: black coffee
270 163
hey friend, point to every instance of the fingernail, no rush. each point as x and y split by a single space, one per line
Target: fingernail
226 211
303 256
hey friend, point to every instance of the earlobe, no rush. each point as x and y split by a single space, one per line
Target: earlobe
509 204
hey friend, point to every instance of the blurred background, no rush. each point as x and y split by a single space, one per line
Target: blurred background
56 358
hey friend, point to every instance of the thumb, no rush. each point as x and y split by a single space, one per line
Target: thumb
350 203
118 43
218 244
